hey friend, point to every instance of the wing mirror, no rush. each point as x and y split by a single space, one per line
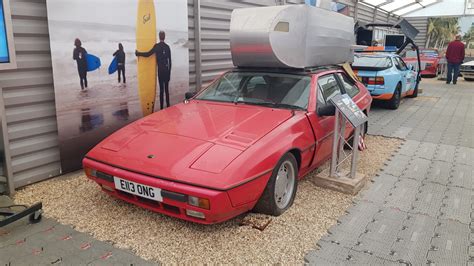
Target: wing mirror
410 67
327 110
188 95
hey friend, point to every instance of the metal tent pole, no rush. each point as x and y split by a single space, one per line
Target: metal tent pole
197 43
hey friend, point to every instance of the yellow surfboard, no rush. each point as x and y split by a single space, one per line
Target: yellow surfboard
146 39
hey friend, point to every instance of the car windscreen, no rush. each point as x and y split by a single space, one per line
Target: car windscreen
372 62
275 90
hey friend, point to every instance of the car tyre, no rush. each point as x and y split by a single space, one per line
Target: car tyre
394 103
280 191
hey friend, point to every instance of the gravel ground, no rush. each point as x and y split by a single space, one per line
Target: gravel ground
75 200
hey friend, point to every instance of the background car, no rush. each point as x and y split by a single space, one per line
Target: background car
429 59
467 71
386 76
240 144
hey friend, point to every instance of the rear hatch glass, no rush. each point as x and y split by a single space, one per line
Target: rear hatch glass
375 63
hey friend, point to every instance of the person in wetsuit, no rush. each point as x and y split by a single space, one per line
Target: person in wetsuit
163 59
120 54
79 54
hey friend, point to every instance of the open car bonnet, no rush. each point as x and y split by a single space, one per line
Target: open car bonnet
198 136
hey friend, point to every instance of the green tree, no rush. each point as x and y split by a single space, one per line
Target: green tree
469 37
441 31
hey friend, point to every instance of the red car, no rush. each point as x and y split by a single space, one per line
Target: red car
429 59
240 144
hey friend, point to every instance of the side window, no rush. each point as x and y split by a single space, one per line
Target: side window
320 96
397 64
404 66
329 87
349 85
400 64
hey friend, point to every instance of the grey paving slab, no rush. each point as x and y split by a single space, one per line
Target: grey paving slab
402 132
409 147
350 226
457 205
414 241
418 135
439 172
380 249
445 153
328 254
396 165
429 199
49 242
381 186
363 258
433 137
403 195
462 176
417 169
450 244
465 155
382 233
426 150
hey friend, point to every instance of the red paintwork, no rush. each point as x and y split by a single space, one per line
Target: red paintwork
429 71
220 151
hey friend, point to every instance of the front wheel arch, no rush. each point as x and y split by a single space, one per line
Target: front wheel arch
266 204
297 153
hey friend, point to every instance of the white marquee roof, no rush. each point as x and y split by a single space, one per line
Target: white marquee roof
425 7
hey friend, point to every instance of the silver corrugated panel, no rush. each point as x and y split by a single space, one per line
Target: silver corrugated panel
28 96
421 24
215 46
365 13
191 43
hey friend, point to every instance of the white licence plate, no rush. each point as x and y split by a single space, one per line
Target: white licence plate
137 189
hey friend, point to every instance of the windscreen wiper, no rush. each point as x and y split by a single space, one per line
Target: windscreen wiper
272 104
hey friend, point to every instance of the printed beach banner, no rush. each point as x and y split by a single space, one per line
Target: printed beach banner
114 61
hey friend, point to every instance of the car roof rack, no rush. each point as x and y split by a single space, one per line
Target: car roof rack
305 70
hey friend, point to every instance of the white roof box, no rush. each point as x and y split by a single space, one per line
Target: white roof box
292 36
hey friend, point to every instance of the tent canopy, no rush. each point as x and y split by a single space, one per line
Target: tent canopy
401 7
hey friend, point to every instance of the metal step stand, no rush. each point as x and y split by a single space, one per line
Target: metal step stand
345 181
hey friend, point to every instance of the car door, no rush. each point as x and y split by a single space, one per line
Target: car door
410 76
327 86
403 70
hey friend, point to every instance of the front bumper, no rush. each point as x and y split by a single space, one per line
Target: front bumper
429 72
467 74
173 204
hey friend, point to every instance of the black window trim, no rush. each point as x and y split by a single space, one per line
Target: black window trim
338 83
341 84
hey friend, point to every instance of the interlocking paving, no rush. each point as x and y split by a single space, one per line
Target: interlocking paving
50 243
418 210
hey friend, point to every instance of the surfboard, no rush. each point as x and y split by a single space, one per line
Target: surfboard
146 39
93 62
113 66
